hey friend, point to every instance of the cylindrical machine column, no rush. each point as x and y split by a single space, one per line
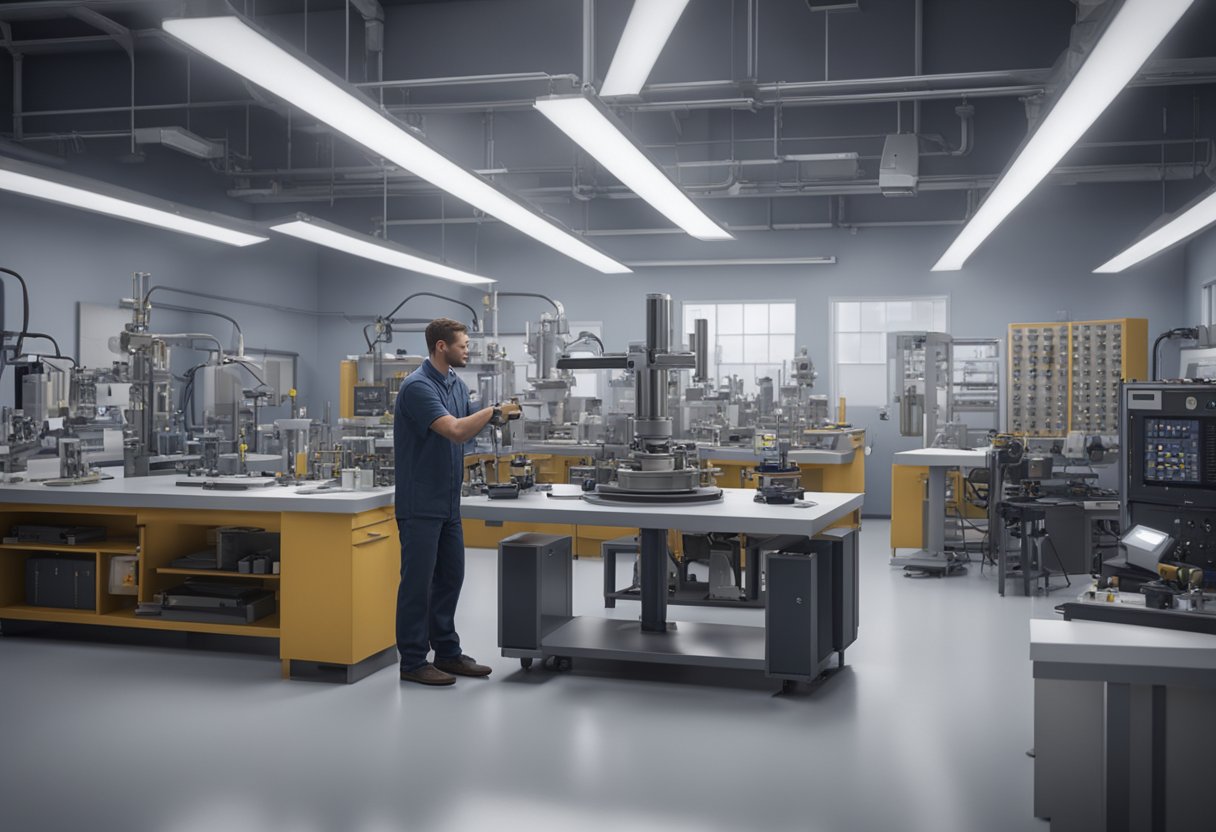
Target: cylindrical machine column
700 347
658 323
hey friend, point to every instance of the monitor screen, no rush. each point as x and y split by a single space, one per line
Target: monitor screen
1172 451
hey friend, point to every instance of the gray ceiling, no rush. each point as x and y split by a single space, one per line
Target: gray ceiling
805 82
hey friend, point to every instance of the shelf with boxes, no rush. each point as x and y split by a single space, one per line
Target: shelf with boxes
1065 376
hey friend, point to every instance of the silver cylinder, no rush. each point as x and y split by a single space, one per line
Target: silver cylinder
765 397
658 322
700 346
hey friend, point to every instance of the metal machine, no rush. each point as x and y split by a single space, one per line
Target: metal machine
945 388
658 468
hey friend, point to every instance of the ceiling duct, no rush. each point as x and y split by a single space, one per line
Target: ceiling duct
899 171
180 139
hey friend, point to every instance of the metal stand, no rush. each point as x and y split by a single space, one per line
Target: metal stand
653 578
934 559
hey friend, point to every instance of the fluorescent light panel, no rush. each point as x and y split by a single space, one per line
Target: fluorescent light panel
370 248
231 41
754 261
102 198
1187 223
596 131
646 32
1136 30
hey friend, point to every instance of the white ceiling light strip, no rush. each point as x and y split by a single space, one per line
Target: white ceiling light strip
646 32
743 261
1186 223
102 198
304 227
595 130
231 41
1136 30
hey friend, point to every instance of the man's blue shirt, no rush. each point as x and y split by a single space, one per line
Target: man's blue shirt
430 467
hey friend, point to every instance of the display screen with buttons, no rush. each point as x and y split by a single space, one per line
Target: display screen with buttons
1171 451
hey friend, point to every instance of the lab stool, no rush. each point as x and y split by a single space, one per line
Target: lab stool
1031 517
609 549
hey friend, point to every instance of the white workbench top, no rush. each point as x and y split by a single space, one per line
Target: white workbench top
736 512
942 458
163 492
1098 642
798 456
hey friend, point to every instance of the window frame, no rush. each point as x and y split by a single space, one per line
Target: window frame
716 376
833 333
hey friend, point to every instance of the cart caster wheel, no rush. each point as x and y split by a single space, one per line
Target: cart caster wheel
788 686
562 664
526 664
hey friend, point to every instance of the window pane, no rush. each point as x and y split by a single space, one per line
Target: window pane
873 348
755 348
848 316
730 349
781 348
730 318
899 316
755 317
848 348
922 315
781 318
863 385
939 317
873 316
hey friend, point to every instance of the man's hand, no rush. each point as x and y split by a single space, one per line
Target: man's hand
506 412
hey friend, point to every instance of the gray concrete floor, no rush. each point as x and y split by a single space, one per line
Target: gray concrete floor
927 729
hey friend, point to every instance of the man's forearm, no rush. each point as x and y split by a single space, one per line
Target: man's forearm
473 424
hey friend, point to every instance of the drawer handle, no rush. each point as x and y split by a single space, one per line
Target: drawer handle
372 537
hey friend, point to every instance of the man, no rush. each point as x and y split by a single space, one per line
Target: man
431 426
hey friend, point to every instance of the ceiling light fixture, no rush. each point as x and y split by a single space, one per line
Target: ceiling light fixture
230 40
601 134
1134 32
304 227
1165 234
649 26
744 261
86 194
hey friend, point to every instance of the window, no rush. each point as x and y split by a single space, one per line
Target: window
859 341
1209 304
749 340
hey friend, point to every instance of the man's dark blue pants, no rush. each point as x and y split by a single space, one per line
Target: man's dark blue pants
432 572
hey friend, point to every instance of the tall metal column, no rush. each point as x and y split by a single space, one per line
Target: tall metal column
653 577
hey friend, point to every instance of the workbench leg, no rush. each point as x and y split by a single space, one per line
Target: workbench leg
653 577
608 555
936 532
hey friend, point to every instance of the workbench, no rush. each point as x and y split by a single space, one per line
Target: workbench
336 591
908 500
810 608
1123 726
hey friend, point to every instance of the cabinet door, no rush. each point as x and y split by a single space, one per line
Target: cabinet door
375 573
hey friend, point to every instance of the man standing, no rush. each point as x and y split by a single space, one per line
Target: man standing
431 425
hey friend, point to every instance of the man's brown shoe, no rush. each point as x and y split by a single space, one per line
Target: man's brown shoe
462 666
428 674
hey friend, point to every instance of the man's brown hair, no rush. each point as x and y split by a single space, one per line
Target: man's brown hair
442 329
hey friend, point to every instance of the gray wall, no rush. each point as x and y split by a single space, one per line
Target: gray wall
1200 270
69 256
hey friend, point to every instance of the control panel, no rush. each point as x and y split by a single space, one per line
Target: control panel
1172 450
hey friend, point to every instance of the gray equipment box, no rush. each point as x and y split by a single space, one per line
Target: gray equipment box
812 606
61 581
535 585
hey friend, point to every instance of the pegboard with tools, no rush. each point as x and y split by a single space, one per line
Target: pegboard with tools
1065 376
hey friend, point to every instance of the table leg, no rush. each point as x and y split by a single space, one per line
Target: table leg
935 534
653 577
